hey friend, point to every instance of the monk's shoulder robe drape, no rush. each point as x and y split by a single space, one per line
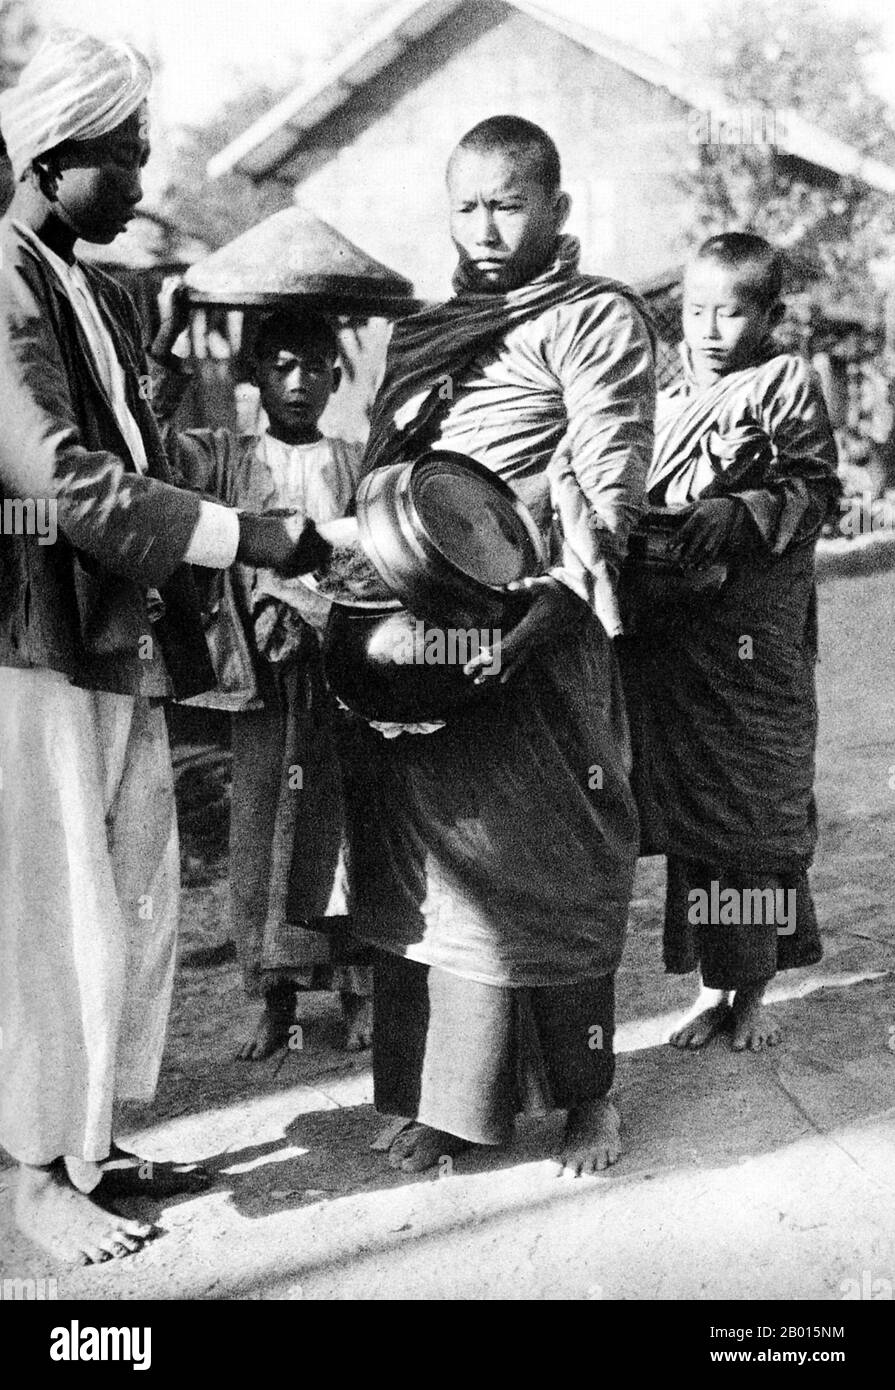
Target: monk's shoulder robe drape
502 847
721 696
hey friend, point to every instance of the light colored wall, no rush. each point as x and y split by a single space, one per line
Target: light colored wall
376 169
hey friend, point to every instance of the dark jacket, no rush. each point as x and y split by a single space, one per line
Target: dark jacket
79 606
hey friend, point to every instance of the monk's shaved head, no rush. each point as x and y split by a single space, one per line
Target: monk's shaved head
515 138
507 207
759 266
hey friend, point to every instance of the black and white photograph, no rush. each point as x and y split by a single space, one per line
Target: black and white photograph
447 677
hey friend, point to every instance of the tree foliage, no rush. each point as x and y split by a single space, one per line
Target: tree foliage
795 56
218 210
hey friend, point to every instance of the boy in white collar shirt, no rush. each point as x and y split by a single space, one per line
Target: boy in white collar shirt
286 810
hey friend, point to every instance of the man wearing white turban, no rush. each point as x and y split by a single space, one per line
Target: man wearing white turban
75 88
96 628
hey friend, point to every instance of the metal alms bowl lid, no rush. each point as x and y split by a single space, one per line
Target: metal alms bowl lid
447 535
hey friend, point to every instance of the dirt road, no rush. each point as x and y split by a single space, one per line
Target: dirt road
743 1177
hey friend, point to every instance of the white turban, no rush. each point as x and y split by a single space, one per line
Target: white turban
74 88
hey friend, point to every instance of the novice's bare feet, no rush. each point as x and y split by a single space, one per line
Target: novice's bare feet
709 1015
753 1027
419 1147
591 1141
357 1011
272 1030
69 1225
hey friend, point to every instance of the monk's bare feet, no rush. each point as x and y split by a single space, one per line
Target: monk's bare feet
272 1030
419 1147
709 1015
753 1027
592 1139
357 1011
70 1226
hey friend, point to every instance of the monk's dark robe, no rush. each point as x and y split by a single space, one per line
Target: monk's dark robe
492 861
720 685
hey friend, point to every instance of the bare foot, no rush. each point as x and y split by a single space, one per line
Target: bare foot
272 1030
591 1141
357 1011
419 1147
753 1027
709 1015
69 1225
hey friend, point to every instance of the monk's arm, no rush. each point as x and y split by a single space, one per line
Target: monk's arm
802 482
603 357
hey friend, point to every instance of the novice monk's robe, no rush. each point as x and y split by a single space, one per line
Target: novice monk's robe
720 688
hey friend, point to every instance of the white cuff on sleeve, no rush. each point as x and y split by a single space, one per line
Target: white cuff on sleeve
216 538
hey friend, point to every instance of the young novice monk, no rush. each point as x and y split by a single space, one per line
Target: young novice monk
286 809
720 682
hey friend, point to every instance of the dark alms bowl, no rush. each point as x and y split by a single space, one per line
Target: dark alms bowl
395 667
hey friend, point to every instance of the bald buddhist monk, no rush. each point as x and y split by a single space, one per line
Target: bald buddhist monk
494 857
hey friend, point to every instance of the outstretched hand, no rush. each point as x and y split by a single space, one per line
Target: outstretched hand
281 542
553 612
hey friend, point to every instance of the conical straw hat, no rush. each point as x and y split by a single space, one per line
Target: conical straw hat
295 255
